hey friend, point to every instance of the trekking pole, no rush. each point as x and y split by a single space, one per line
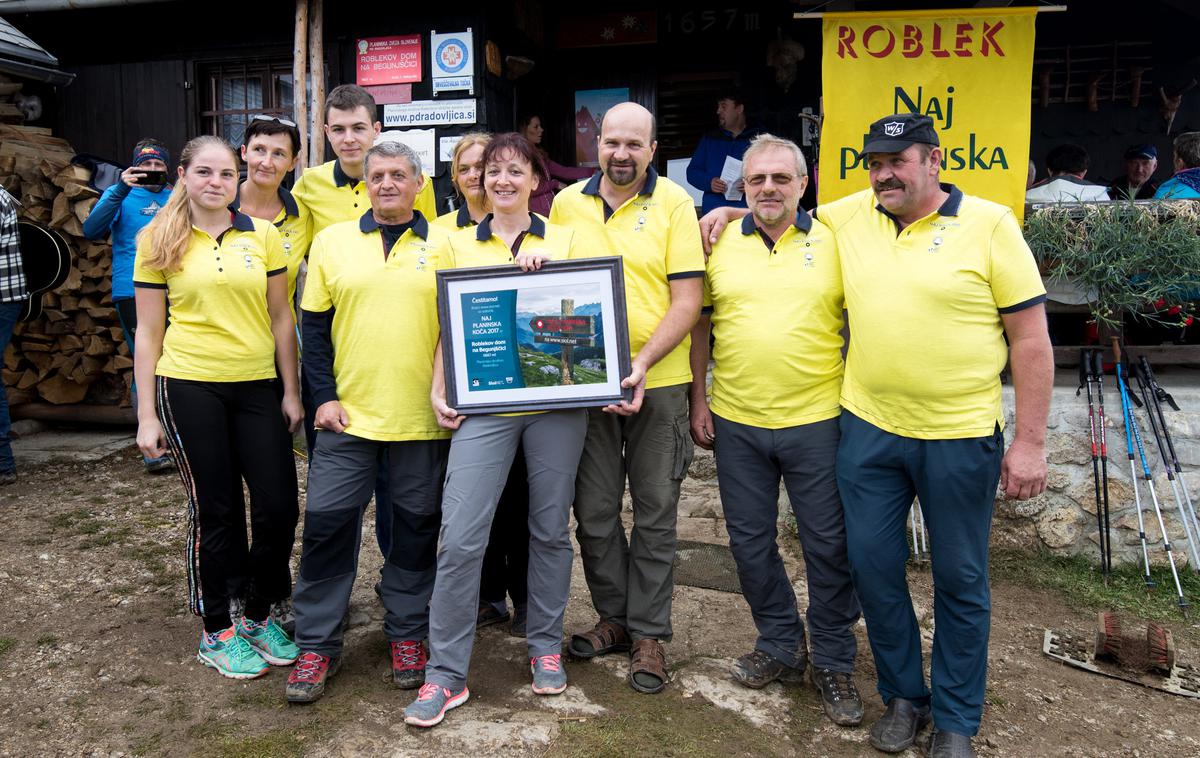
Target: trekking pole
912 523
1098 374
1148 400
1159 395
1085 380
1162 526
921 521
1127 416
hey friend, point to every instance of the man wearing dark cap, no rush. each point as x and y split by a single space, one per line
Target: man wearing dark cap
934 282
1140 164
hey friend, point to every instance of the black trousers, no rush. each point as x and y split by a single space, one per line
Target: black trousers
506 562
220 433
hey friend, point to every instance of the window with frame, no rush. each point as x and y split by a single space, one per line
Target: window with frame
235 91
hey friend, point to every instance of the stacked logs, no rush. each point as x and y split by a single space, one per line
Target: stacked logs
75 352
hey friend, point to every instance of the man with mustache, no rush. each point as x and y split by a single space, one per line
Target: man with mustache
773 295
629 210
934 280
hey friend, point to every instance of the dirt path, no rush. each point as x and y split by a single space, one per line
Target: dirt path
97 658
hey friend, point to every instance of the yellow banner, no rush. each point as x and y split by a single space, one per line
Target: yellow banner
969 70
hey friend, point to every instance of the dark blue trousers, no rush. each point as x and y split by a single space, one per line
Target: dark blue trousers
750 462
879 474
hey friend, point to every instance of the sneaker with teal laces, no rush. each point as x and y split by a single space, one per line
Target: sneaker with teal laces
548 675
433 700
268 640
231 655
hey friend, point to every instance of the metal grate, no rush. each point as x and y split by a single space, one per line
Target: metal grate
705 565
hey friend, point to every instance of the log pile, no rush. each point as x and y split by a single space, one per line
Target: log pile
75 352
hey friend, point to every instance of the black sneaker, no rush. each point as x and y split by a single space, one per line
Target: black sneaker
948 745
839 696
757 669
897 728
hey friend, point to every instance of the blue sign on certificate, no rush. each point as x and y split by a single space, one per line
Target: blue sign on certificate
490 340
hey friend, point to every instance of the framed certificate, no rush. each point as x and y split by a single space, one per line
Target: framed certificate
540 340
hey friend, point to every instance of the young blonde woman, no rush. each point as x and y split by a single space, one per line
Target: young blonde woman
466 172
215 407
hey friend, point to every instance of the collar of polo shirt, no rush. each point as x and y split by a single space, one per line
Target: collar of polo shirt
340 177
290 207
419 226
593 185
948 208
803 222
483 232
463 219
241 221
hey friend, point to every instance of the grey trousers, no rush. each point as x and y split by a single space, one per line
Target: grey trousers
341 481
481 453
750 461
631 580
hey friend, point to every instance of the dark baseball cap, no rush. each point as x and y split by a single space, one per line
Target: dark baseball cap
892 134
1141 151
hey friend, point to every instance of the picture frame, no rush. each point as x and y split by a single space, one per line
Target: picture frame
515 341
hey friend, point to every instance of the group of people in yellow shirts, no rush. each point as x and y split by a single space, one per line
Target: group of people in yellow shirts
227 394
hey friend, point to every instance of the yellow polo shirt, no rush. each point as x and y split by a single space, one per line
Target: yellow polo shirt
332 197
220 327
926 335
656 234
293 225
455 220
776 313
385 324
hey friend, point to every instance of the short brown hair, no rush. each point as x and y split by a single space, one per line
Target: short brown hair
350 97
511 141
1187 149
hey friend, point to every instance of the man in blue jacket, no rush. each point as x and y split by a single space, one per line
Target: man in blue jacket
730 140
122 211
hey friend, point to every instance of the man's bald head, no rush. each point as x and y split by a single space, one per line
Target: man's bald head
630 116
626 144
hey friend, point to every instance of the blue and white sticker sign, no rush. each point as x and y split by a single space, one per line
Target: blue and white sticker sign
451 61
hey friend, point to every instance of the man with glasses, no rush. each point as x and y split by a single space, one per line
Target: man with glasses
773 296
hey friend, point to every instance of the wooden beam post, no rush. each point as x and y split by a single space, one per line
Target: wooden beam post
316 69
300 81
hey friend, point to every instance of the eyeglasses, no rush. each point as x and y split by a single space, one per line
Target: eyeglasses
757 180
276 119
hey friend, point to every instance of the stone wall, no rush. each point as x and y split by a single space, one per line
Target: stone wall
1063 519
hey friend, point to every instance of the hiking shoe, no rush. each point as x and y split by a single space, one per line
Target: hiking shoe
158 465
8 477
408 663
489 614
230 655
948 745
839 696
548 675
306 683
284 615
520 619
897 728
431 704
268 640
757 669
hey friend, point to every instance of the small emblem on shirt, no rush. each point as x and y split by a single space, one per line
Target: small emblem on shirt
808 260
249 259
151 209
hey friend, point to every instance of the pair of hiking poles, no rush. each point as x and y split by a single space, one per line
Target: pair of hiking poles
1151 396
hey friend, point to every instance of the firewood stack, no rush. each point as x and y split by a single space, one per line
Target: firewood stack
75 352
